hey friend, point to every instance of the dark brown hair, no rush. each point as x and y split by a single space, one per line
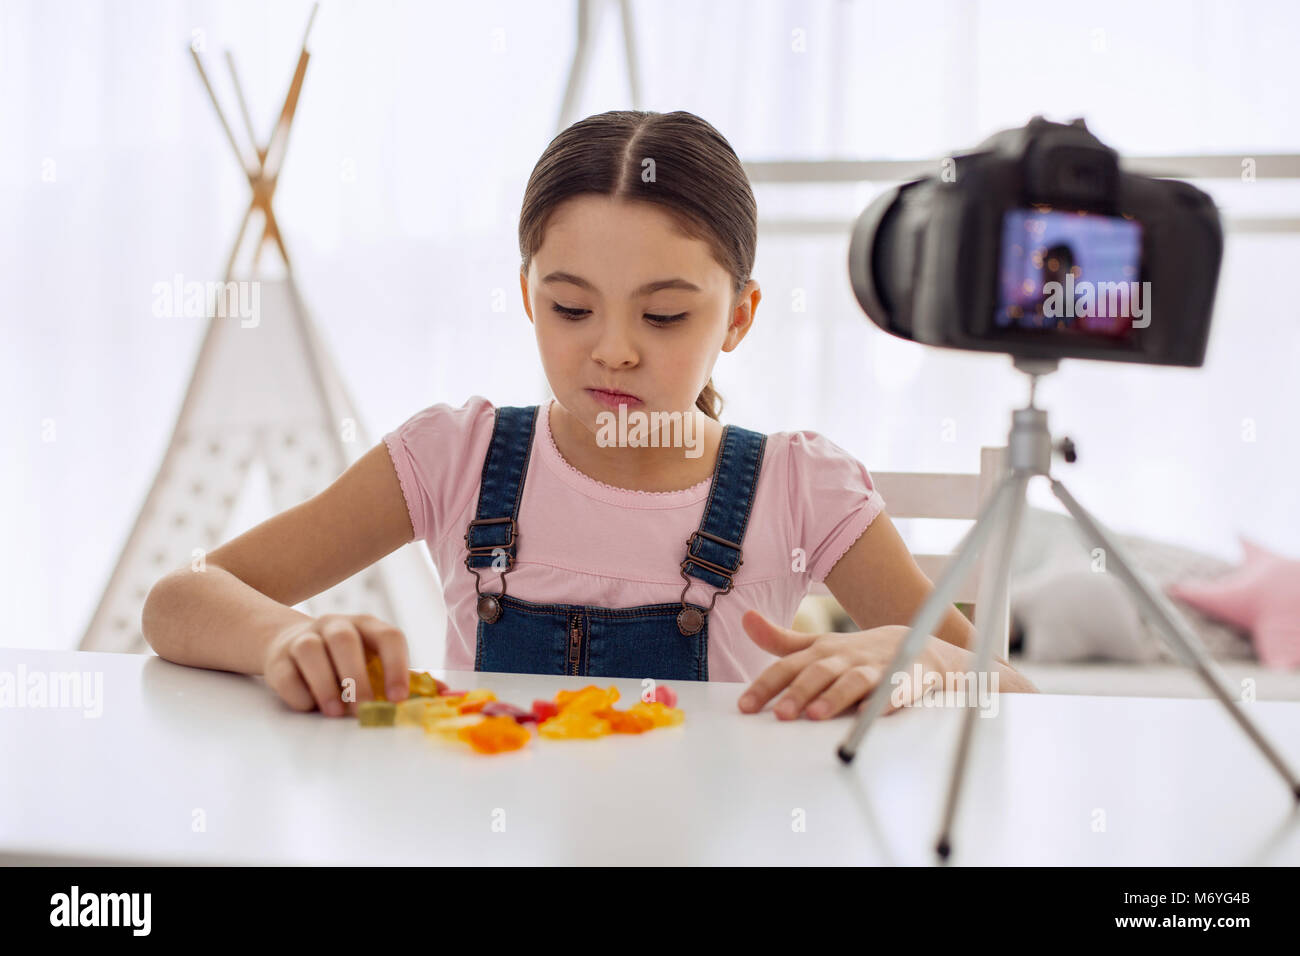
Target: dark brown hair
695 175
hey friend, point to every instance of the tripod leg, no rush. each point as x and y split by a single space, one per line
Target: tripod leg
931 611
991 587
1176 632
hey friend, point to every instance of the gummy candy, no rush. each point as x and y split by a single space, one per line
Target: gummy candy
499 708
420 683
488 725
424 684
589 699
495 734
666 696
448 728
626 721
375 671
475 700
416 710
573 723
376 713
657 712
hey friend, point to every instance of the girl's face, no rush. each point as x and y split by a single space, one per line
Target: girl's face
621 300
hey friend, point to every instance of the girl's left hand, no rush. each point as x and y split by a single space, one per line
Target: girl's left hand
827 673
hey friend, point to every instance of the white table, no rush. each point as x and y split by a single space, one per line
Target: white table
1174 782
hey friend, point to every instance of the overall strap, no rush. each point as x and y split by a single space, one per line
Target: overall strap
504 468
713 552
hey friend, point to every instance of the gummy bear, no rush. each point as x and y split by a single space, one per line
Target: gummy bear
424 684
495 734
416 710
666 696
590 698
657 712
475 700
375 671
448 728
573 723
499 708
626 721
543 709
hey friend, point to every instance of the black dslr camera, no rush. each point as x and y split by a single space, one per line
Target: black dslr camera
1036 244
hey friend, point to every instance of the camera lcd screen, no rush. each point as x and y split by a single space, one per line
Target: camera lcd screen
1071 272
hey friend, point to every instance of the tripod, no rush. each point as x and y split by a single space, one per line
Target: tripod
1029 451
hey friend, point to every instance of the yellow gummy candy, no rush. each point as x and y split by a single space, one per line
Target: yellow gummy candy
413 711
423 684
448 728
662 715
590 698
573 723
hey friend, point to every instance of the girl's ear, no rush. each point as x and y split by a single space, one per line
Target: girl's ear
523 288
742 314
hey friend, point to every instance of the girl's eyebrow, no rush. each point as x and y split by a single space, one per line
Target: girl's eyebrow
644 290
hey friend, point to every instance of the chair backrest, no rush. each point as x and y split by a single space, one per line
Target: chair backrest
912 494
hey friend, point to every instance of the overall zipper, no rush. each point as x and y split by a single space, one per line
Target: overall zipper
575 643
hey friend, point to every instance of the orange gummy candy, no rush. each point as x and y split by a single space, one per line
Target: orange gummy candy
659 714
626 721
495 734
375 671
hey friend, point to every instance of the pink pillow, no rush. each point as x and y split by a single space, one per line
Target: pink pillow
1261 597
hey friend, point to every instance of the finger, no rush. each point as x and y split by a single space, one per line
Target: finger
389 643
343 644
852 686
308 652
776 640
811 681
283 678
774 679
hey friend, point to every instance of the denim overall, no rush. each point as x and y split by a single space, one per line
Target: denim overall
663 641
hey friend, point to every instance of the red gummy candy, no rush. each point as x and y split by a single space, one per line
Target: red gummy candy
544 709
499 708
666 696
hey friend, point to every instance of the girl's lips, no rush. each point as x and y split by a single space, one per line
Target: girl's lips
613 399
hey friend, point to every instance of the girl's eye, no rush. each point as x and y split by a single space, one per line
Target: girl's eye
657 319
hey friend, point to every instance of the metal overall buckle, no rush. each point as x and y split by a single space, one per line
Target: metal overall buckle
691 619
489 605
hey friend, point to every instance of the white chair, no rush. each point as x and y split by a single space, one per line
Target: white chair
910 494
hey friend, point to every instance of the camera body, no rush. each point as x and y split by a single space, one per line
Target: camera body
1037 244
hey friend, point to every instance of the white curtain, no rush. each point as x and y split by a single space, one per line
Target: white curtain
417 129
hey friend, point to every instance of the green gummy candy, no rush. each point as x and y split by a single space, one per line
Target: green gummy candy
377 713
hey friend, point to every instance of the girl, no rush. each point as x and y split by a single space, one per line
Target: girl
619 529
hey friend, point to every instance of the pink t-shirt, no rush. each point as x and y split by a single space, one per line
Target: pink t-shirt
582 541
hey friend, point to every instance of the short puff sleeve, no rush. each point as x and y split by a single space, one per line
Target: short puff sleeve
833 500
438 455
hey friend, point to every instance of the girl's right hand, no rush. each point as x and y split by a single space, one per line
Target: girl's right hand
307 663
